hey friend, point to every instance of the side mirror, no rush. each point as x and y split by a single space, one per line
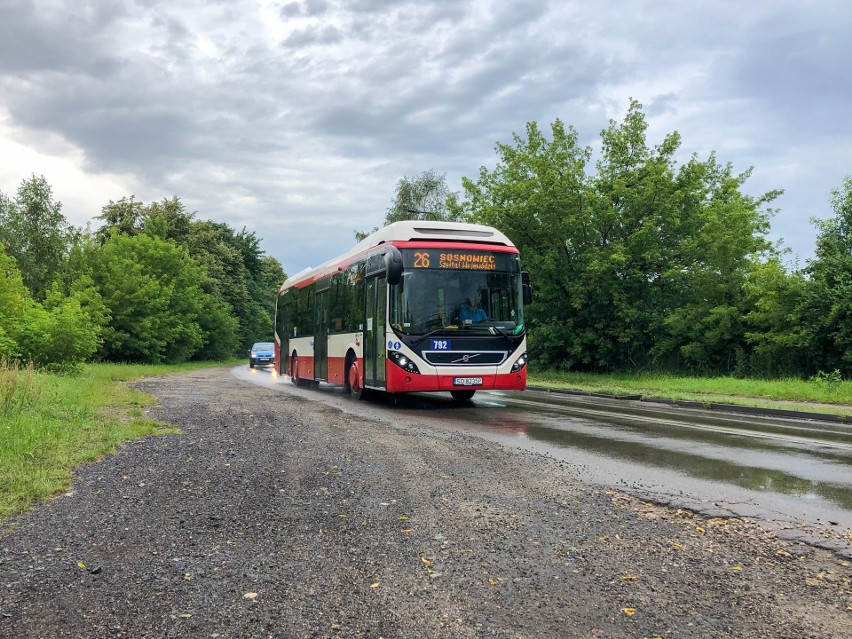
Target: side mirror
393 265
526 287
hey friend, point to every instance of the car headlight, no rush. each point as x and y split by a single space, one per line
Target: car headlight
403 361
253 354
519 363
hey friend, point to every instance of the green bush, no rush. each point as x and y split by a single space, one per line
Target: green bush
152 289
59 339
831 381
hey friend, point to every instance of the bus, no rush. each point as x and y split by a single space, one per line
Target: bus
417 306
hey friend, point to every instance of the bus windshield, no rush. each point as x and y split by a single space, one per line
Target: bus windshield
430 300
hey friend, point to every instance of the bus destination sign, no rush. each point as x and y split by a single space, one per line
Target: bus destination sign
460 260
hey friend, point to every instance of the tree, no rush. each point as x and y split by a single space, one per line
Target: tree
263 289
637 264
773 335
538 195
15 304
153 291
726 242
425 197
77 280
271 277
125 216
826 312
233 262
58 335
34 232
220 330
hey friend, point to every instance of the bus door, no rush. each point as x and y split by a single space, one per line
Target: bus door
321 335
374 331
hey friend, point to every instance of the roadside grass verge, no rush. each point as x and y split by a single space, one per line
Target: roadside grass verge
823 394
50 424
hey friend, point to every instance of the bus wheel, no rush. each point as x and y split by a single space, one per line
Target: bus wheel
353 380
462 395
294 369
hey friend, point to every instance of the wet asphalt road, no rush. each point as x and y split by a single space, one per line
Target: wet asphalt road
793 475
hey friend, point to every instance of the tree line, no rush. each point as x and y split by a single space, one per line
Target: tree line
643 263
639 262
152 284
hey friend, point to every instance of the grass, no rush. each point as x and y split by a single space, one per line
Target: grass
825 394
50 424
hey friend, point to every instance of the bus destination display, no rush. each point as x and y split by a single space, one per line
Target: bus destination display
458 260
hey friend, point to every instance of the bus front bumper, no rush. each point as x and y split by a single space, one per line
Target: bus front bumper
400 381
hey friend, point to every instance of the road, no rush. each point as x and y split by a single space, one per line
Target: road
276 511
793 475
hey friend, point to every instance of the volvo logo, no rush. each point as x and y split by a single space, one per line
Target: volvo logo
464 359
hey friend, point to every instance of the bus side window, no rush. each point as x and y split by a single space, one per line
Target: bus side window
281 316
335 322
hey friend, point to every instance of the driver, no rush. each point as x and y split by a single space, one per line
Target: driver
472 311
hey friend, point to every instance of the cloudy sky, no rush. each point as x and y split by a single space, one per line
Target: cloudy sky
296 119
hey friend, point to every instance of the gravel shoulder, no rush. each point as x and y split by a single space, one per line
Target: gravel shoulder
274 516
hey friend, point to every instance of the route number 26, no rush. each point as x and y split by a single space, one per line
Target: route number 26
421 260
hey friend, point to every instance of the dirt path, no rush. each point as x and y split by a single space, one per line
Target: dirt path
273 516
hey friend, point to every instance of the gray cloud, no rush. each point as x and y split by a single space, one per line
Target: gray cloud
297 120
308 37
798 72
32 40
304 9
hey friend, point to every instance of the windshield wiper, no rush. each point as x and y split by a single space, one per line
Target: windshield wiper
499 331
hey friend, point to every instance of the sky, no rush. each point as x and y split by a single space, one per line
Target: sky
296 119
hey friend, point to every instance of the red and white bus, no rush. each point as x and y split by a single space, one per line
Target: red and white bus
395 314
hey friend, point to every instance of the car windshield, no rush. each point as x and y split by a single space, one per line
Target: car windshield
457 300
262 346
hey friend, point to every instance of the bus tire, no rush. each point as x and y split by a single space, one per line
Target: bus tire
294 368
462 395
353 378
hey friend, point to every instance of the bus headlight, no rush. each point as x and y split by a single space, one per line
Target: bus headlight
520 363
403 362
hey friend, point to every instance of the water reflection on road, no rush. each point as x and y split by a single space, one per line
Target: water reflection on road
750 466
745 465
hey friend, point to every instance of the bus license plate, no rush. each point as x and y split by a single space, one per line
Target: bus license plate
467 381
